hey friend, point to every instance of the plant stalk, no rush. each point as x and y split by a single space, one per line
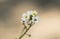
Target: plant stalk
25 32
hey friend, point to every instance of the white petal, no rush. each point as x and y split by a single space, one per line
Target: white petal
29 12
24 15
23 19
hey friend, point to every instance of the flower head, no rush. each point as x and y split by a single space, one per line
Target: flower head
35 19
25 18
30 16
34 13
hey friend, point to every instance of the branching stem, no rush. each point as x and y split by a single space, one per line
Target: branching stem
25 32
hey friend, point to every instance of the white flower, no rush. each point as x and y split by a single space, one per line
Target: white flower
35 19
34 13
25 18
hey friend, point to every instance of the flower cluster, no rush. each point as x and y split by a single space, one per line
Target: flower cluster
30 16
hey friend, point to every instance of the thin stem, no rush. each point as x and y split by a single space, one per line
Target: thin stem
25 32
25 27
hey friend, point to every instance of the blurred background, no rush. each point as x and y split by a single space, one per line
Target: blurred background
12 10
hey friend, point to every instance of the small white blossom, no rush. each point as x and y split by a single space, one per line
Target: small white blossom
25 18
35 19
34 13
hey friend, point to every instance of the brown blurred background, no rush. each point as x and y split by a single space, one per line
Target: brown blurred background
12 10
